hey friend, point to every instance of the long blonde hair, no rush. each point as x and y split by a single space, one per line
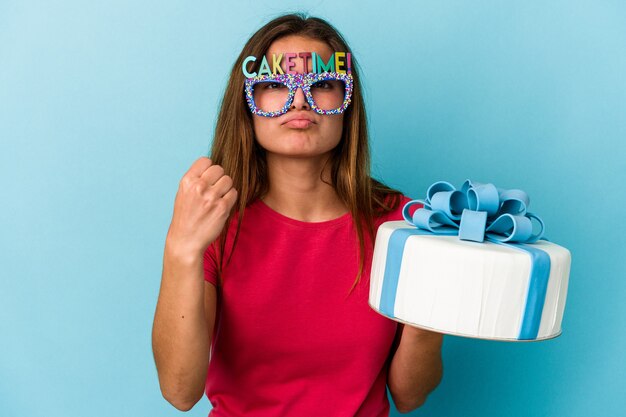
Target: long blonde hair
236 150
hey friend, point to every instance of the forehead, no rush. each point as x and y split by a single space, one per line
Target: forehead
294 43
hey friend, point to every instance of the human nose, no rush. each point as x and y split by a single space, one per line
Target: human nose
299 100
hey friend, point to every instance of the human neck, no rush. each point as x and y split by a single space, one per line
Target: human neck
297 191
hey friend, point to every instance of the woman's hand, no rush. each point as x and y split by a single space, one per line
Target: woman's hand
416 367
203 202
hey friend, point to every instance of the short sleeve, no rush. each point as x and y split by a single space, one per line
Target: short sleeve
397 213
210 265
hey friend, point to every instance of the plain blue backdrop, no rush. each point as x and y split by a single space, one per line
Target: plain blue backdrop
105 105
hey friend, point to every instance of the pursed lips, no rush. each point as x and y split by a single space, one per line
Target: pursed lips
298 121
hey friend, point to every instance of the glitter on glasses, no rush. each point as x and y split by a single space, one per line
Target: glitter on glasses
304 81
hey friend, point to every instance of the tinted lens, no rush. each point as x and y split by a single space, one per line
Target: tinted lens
328 94
270 96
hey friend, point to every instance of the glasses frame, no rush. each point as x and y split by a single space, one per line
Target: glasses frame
303 81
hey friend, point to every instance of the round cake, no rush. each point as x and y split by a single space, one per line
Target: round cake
491 288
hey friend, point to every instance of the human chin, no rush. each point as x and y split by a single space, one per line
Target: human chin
293 142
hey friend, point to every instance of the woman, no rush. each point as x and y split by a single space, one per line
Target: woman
266 262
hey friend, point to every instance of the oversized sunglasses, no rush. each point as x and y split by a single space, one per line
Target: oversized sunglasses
272 95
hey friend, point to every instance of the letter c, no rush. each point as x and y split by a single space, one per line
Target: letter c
243 67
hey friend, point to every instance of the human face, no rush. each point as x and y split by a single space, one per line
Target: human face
300 132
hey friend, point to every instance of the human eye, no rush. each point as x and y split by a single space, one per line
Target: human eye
322 85
274 85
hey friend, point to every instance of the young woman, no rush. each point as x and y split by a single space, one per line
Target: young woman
266 261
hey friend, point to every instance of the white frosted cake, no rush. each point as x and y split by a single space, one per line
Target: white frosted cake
475 289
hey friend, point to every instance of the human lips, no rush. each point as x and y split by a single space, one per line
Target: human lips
298 121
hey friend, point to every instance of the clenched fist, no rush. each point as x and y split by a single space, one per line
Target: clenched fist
204 199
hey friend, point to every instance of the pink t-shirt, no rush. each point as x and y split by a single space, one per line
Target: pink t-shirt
288 340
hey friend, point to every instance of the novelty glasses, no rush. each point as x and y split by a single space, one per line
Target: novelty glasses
272 95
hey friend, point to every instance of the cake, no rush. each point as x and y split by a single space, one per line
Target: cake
441 275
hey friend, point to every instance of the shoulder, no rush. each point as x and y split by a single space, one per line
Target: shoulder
231 227
396 204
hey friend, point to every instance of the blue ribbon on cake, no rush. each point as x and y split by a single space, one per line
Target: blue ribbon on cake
477 212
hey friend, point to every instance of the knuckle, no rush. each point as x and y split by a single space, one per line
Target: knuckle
209 199
223 207
220 206
198 187
185 181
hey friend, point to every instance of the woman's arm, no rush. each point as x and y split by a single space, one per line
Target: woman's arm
416 367
182 329
185 312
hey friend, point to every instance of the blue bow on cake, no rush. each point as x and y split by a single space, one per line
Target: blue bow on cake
475 212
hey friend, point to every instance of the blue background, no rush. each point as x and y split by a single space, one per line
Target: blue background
105 105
